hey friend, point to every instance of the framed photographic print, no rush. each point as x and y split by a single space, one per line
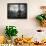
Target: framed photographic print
17 11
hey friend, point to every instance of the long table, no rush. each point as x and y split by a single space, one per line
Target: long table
25 44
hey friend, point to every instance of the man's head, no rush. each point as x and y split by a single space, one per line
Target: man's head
43 8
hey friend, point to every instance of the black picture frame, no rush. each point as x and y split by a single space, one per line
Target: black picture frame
17 11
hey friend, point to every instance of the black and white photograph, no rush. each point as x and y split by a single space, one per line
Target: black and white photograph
17 11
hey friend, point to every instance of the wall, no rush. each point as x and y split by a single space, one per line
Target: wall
24 26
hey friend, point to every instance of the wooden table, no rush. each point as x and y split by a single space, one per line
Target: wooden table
25 44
